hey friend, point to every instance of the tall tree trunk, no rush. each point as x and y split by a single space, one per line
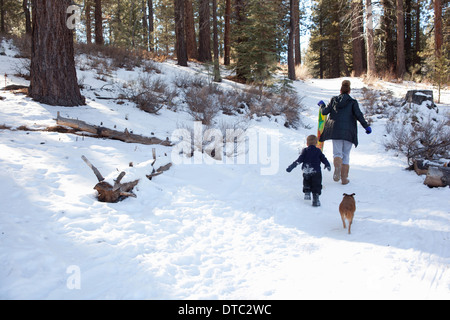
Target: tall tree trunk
416 57
191 41
357 38
151 27
388 27
321 58
88 21
297 45
408 33
98 23
117 22
145 24
2 16
438 35
401 68
53 73
27 13
133 22
335 53
204 50
291 57
217 77
371 69
241 67
342 62
227 39
180 33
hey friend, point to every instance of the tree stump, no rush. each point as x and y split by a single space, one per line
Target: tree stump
419 97
109 193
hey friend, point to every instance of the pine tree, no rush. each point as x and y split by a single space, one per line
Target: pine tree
329 39
11 16
255 49
165 30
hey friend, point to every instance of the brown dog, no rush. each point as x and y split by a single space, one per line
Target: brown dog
347 209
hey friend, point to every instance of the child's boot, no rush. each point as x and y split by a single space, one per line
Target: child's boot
316 201
307 196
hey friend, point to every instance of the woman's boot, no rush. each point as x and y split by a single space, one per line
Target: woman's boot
337 169
344 174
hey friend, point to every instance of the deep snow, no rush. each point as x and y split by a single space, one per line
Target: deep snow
201 231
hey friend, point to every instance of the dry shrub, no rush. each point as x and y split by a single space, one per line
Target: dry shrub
223 139
185 81
290 105
148 93
120 57
429 139
202 105
23 45
302 72
378 103
274 103
22 68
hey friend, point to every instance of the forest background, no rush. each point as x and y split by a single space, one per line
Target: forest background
391 39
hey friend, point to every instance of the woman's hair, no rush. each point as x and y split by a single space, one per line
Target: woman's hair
311 140
345 87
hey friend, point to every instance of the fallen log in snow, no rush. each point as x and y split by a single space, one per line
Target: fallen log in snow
103 132
438 177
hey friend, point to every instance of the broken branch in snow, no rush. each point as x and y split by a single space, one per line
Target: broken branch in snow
96 172
103 132
160 171
109 193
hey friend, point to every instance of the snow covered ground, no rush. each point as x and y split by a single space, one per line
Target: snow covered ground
208 231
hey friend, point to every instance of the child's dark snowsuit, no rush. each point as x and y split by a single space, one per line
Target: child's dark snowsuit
311 158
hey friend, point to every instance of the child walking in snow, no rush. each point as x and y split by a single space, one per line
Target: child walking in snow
311 158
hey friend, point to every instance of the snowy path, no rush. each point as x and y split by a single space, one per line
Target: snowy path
212 231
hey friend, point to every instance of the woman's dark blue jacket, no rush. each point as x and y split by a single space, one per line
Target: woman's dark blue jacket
343 112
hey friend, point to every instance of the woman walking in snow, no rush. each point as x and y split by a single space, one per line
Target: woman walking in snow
341 127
